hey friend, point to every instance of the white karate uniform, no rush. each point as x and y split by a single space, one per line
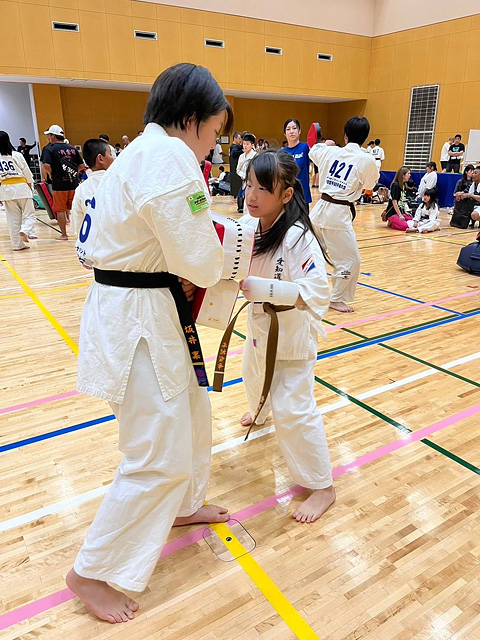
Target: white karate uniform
298 422
343 174
16 195
243 162
83 197
133 351
427 219
428 181
379 155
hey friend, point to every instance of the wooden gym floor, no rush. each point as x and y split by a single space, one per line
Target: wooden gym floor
398 555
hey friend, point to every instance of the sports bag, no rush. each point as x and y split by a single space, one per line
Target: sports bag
469 258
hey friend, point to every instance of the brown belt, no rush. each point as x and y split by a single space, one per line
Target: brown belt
271 354
345 203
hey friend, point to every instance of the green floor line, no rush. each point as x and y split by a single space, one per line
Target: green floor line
408 355
386 418
397 425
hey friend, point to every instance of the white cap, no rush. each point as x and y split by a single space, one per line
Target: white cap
55 130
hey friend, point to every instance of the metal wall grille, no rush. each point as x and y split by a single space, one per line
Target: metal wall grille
421 126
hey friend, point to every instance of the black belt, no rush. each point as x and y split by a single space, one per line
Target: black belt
163 280
345 203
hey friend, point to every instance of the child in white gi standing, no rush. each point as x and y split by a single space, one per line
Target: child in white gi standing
344 173
98 156
147 226
427 214
16 182
288 268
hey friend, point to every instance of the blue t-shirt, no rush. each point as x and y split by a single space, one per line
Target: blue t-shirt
300 153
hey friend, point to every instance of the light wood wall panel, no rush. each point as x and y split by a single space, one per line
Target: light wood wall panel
105 48
443 53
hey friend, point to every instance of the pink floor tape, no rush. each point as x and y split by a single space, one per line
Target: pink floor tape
36 403
398 312
70 394
44 604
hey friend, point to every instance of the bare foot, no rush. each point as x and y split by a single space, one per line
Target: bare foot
24 237
22 249
246 420
102 600
411 230
207 513
342 307
62 238
315 505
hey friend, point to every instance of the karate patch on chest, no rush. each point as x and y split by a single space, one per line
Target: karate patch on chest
308 265
197 202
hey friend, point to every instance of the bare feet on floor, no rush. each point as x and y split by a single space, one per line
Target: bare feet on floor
246 420
208 513
102 600
315 505
24 237
62 238
342 307
411 230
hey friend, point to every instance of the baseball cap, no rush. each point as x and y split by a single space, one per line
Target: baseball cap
55 130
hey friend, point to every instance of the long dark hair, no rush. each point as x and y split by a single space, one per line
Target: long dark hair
464 181
433 193
399 177
6 147
272 168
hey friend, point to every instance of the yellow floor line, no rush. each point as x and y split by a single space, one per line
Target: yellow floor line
53 321
67 288
279 602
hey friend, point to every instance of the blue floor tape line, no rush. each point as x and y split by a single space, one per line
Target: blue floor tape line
229 383
401 334
53 434
400 295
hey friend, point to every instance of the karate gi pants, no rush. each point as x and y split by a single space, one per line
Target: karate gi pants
341 247
298 422
428 225
164 473
20 218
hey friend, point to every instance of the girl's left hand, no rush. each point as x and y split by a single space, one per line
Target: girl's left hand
189 288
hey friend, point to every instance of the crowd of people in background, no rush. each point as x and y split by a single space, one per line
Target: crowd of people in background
410 207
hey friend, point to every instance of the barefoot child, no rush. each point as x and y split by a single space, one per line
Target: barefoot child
426 216
147 226
288 268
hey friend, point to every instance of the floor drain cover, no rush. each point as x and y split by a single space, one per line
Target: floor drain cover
236 532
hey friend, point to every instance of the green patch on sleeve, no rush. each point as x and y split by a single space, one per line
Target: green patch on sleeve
197 202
